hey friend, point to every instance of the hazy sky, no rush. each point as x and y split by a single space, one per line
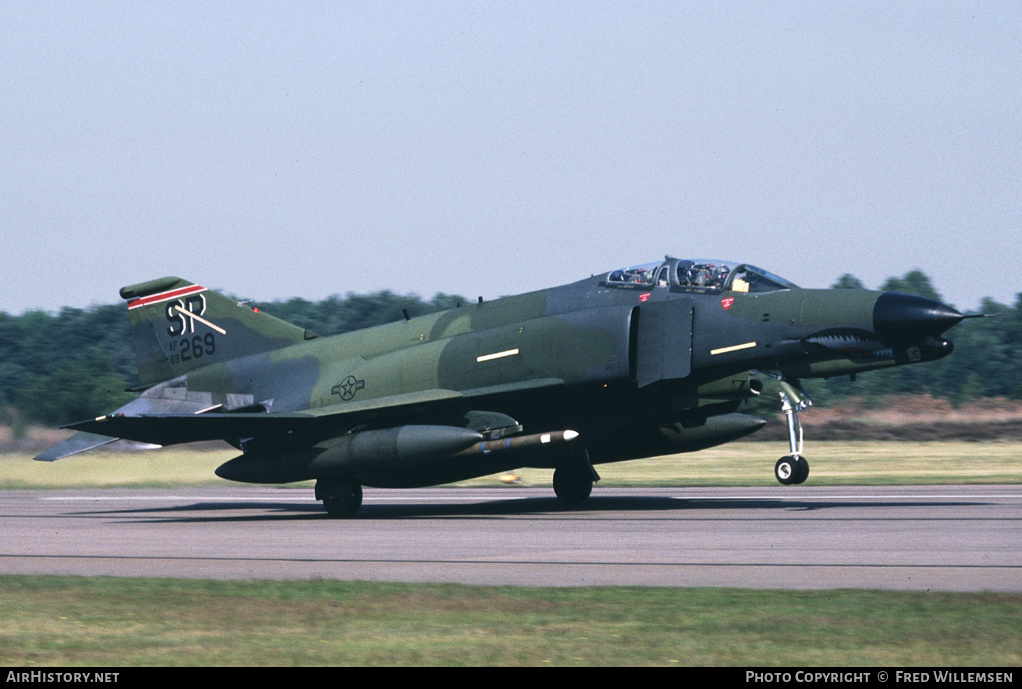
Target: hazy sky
487 148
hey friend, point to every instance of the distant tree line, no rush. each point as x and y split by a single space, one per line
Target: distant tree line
77 363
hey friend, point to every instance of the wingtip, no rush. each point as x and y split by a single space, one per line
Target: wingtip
79 442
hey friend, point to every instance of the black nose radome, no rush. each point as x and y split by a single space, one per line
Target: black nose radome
903 318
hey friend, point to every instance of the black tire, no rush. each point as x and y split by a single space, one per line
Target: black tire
342 499
803 471
572 485
786 471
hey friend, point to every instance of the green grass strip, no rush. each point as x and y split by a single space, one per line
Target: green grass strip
69 621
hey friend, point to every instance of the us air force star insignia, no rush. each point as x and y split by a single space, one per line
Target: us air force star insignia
348 387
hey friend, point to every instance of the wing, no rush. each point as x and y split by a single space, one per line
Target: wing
171 422
176 428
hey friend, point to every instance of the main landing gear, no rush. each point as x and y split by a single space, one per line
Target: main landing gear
573 480
341 499
793 468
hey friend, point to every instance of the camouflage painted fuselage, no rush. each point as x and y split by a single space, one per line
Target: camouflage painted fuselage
637 366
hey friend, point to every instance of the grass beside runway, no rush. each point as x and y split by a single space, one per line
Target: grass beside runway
736 464
68 621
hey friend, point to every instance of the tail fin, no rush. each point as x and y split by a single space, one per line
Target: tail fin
179 326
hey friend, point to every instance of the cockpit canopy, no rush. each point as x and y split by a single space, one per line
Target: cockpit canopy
699 275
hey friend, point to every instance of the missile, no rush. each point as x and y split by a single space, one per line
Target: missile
350 454
518 443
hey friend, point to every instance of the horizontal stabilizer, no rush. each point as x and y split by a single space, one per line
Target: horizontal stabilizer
79 442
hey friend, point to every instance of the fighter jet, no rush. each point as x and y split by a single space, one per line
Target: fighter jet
645 361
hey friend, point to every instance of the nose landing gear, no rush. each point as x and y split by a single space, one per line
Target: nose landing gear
793 468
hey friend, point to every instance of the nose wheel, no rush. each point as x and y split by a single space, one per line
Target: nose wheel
791 470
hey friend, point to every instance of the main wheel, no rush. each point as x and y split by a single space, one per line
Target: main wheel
341 499
572 484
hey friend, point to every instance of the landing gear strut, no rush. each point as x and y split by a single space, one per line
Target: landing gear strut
573 480
793 468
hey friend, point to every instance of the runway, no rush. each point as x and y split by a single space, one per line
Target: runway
954 538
